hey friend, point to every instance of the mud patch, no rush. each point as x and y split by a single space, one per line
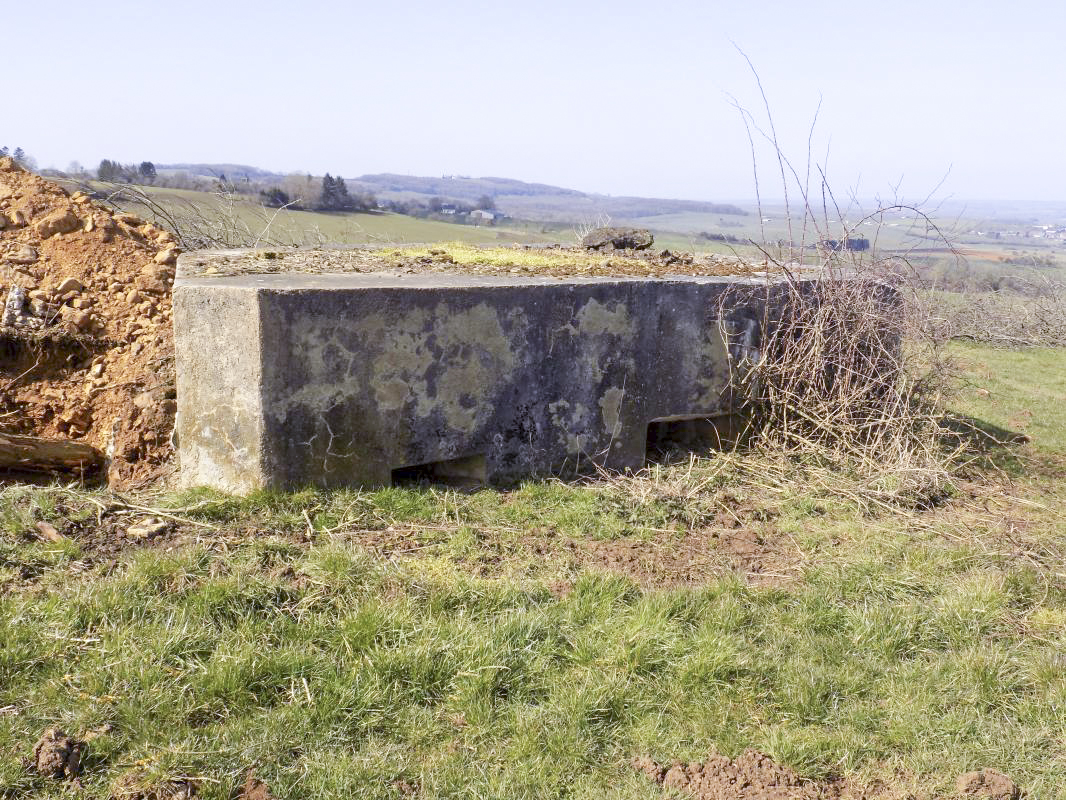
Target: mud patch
406 788
755 776
58 756
760 555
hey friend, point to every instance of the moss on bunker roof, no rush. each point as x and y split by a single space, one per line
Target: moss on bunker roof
462 258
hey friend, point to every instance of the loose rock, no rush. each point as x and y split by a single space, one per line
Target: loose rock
24 255
62 221
129 219
69 284
16 299
146 528
79 282
618 239
168 256
48 532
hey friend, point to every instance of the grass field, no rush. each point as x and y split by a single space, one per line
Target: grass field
530 643
246 220
951 246
950 251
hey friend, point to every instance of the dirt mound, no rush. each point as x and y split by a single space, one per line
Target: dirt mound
252 789
86 349
988 783
750 776
57 755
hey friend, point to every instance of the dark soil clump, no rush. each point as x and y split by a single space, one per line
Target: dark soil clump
58 756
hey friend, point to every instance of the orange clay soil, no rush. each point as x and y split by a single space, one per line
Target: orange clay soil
86 348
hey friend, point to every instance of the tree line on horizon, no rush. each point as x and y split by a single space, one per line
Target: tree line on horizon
298 192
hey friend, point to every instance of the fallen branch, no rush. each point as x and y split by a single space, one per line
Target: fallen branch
30 453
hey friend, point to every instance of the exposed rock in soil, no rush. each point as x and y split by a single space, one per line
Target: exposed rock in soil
987 783
86 324
618 239
57 755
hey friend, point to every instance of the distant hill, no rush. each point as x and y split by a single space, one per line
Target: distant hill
457 187
232 171
534 201
537 201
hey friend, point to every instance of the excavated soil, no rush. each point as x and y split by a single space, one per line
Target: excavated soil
989 784
86 350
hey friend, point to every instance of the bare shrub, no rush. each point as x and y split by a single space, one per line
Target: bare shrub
227 220
846 386
1028 312
588 225
846 382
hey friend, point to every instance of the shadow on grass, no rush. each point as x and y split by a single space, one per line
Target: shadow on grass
990 448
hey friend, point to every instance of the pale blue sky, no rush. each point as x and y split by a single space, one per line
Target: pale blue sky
616 97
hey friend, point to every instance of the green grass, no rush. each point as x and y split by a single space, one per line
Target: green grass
904 647
248 220
1023 391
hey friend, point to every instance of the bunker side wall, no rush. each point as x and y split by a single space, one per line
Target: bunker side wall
218 353
524 380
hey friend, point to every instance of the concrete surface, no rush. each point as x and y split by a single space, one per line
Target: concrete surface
291 380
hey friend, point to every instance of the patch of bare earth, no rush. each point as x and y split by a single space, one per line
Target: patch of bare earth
686 559
755 776
252 789
760 554
750 776
989 784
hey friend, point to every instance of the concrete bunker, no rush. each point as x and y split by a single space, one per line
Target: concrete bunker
377 376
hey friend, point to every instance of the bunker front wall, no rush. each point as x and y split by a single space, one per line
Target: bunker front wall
340 380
